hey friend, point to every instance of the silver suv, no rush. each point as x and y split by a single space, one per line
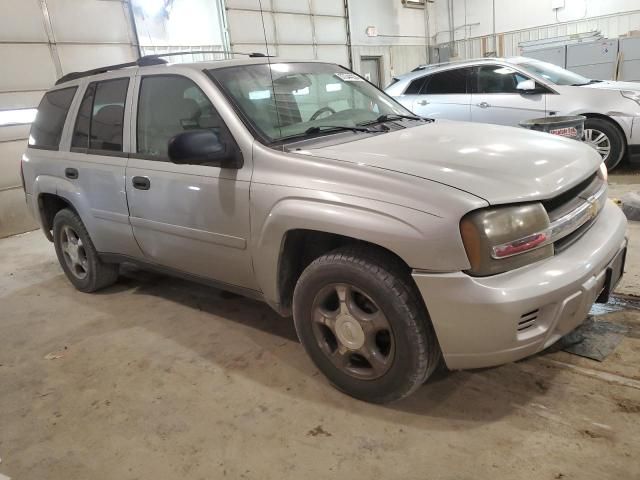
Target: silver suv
391 239
506 91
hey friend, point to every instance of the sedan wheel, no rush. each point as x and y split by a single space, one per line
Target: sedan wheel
599 141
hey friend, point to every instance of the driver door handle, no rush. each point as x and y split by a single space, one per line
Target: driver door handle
483 105
423 102
141 183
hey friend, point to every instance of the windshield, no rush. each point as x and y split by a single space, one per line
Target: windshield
553 73
303 96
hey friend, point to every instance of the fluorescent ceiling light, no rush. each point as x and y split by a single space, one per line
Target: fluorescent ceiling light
22 116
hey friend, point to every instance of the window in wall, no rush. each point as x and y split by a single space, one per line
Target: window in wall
100 121
448 82
52 113
498 79
169 105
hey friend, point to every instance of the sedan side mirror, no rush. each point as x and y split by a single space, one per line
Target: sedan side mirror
197 147
527 86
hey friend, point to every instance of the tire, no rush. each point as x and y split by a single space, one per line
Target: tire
613 140
403 354
77 254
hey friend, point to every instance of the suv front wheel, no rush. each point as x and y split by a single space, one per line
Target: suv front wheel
361 320
77 255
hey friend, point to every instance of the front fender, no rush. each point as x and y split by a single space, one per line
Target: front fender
424 241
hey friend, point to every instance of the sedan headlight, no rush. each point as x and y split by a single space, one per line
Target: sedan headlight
631 95
500 239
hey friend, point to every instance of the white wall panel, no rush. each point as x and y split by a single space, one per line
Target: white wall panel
328 7
87 21
26 67
333 53
21 21
293 29
297 6
246 27
300 29
248 4
14 133
85 57
330 30
10 155
14 216
295 52
15 100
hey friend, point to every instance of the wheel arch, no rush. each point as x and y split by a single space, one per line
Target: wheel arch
611 120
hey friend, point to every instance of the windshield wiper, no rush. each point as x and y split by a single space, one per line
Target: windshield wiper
321 128
387 117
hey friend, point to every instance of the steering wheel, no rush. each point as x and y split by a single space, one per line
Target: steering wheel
321 111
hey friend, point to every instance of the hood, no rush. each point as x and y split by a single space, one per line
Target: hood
611 85
498 164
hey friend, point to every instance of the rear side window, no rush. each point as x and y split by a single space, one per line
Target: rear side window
415 86
100 121
170 105
46 129
449 82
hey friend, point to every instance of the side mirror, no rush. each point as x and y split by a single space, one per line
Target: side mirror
527 86
197 147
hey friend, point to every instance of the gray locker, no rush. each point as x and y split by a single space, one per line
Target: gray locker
630 66
555 55
593 60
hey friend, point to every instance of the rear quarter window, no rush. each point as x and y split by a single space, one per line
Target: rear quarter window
46 129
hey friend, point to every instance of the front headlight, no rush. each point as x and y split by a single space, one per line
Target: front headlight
500 239
631 95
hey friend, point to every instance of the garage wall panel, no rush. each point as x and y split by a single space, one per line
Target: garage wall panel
26 67
41 40
319 25
21 21
89 21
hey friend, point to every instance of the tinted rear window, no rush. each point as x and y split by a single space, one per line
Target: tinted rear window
415 86
449 82
52 112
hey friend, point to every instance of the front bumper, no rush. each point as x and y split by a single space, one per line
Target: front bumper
481 322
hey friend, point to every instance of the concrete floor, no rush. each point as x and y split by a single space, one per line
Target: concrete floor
160 378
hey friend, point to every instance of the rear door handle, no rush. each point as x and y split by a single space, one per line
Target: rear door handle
141 183
483 105
71 173
423 102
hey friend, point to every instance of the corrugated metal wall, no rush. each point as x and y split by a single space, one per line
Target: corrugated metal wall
610 26
40 40
295 29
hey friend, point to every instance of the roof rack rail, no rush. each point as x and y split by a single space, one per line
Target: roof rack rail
147 60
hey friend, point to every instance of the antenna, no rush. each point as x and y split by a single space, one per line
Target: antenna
273 87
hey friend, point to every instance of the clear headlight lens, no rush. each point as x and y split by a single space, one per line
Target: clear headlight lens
500 239
631 95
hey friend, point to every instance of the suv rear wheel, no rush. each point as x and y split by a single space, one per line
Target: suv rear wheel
78 256
606 139
361 320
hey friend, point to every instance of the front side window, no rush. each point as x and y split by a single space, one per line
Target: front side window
302 96
169 105
449 82
499 79
553 73
49 122
100 121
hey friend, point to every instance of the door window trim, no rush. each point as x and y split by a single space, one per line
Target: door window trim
134 125
97 151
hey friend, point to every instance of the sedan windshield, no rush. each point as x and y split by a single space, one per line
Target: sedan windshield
553 73
303 97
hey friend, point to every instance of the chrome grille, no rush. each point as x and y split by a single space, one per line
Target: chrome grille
572 213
